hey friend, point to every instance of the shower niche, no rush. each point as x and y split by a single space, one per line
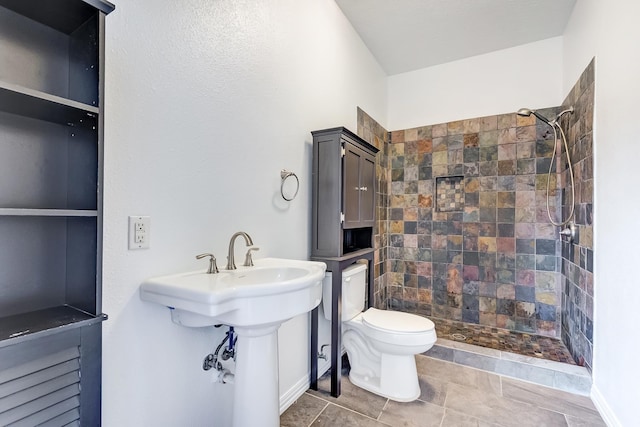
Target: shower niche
450 193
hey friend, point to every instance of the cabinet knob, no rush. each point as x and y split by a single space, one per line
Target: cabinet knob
363 188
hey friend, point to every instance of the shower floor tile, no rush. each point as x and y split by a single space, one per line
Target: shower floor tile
504 340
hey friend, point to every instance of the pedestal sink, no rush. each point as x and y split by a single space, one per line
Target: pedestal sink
255 301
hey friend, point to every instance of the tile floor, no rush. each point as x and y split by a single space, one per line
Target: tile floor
452 396
504 340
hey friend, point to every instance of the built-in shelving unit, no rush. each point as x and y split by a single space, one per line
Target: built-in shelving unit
51 162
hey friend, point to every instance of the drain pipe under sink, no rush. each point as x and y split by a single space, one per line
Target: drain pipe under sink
211 361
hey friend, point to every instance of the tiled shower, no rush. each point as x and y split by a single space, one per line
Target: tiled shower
463 232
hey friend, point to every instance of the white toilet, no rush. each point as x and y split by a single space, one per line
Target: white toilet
381 344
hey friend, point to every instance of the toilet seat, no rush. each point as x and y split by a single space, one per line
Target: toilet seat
411 330
396 322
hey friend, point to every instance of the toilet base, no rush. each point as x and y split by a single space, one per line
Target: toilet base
398 378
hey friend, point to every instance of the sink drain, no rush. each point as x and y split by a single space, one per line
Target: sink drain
458 337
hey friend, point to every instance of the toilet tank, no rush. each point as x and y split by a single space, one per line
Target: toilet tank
354 287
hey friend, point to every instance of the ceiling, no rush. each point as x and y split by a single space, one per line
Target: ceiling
406 35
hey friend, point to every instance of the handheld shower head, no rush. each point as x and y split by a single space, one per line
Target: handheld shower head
526 112
563 112
557 130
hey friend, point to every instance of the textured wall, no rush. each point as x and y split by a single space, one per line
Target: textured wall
482 85
206 101
609 31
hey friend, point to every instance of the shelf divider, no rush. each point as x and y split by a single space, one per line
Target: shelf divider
16 99
48 212
64 16
19 327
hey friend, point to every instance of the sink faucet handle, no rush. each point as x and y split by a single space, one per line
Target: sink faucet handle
248 261
213 267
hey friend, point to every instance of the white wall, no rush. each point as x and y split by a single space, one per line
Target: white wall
206 102
494 83
609 31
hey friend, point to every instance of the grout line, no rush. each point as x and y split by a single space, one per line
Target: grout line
546 407
356 412
444 414
318 416
383 408
337 404
446 395
317 397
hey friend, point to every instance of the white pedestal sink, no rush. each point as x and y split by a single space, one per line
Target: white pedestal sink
255 301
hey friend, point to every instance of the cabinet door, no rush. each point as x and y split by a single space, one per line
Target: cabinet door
351 190
359 187
367 190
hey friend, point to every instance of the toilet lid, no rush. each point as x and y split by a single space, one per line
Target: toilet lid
396 321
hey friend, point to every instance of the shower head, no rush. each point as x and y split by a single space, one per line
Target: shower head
526 112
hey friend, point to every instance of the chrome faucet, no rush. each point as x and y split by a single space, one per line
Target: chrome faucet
231 263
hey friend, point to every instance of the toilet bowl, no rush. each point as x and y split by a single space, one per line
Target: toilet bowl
381 344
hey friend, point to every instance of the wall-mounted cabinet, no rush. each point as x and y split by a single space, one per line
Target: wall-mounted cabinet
51 162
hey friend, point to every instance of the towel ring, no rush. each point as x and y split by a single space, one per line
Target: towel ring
284 175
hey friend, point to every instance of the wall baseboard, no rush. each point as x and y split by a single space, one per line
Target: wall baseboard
603 407
298 389
291 395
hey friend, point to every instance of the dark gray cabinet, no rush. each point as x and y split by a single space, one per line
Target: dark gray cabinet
51 162
344 188
343 219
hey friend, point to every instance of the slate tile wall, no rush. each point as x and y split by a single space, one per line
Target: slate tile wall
372 132
485 254
577 257
493 258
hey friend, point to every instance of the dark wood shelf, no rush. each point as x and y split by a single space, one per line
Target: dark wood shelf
16 99
48 212
41 322
63 15
346 256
